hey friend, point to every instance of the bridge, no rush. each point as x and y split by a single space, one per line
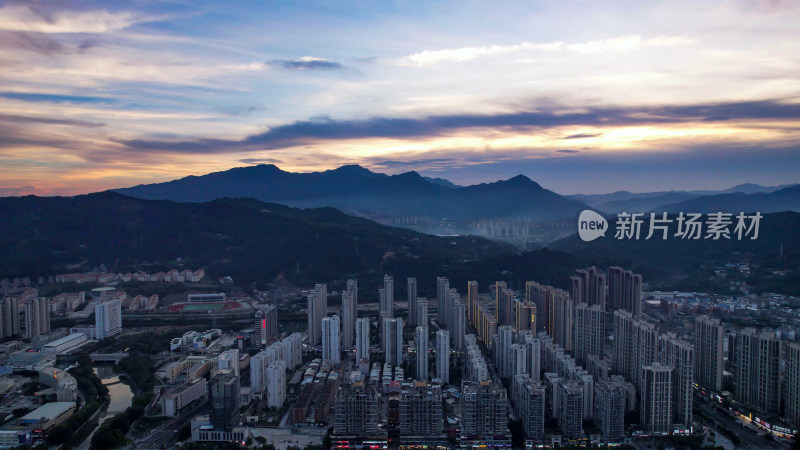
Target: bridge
107 357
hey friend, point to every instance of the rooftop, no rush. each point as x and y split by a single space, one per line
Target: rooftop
49 411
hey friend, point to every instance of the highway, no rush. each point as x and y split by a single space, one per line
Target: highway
167 432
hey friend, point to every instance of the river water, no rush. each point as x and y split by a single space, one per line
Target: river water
120 395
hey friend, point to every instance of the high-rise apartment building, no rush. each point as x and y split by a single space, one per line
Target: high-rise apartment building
588 286
362 339
10 316
758 361
276 384
609 409
680 356
505 305
524 316
442 300
570 411
348 321
266 325
531 399
411 290
387 297
317 309
793 383
709 335
37 317
420 410
625 291
623 344
562 308
107 319
443 356
501 350
458 324
519 360
422 311
330 340
472 300
484 407
421 338
349 314
393 340
357 410
656 398
590 332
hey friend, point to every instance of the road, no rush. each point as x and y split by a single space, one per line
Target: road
748 437
165 433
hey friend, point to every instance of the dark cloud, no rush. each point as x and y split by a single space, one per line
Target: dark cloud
582 135
54 98
307 131
300 64
568 151
256 161
394 164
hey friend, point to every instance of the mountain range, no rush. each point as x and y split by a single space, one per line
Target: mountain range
620 201
357 190
256 242
246 238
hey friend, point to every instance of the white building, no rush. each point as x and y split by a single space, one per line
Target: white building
107 319
276 384
293 350
330 340
258 373
229 360
362 339
501 350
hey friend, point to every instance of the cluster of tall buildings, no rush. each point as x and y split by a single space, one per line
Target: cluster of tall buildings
35 320
586 353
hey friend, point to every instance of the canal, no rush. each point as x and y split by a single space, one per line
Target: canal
120 396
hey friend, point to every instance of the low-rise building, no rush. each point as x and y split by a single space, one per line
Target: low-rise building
49 415
176 399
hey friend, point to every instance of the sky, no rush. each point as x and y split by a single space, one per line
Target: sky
580 96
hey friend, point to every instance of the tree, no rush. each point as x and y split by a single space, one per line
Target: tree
59 435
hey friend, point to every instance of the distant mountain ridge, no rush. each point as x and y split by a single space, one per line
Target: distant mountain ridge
353 188
619 201
787 199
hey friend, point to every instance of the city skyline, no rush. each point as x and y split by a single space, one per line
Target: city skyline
101 96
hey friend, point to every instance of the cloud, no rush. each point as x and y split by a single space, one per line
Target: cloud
464 54
42 20
257 161
47 120
31 42
54 98
582 135
306 63
307 131
568 151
